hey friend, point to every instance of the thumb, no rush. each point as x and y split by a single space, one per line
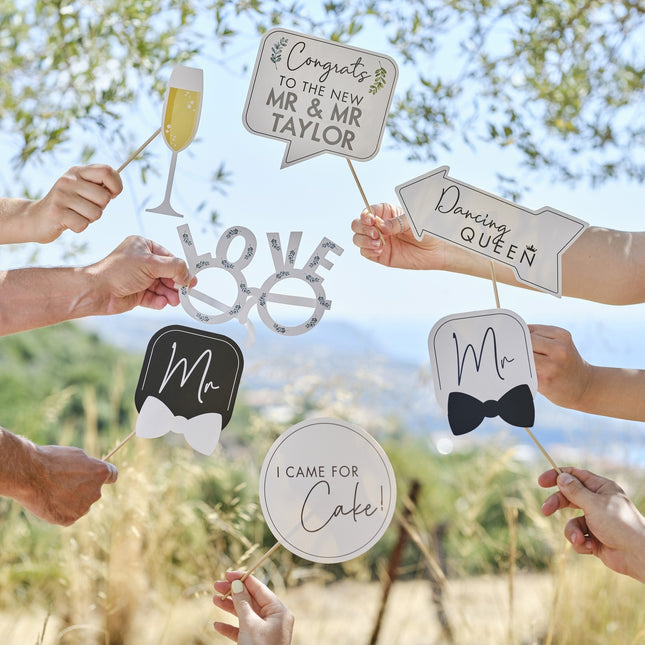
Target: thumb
112 473
241 601
575 491
171 268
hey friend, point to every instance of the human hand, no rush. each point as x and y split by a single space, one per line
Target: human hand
60 484
399 247
263 619
76 200
563 375
611 528
138 272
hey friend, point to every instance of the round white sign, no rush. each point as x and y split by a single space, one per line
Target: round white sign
327 490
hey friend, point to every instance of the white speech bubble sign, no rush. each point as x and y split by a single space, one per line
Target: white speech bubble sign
530 242
327 490
319 96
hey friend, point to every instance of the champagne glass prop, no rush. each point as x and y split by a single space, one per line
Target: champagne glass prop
181 112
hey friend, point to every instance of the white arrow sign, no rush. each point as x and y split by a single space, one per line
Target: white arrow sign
530 242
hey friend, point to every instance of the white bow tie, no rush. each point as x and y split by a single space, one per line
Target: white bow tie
201 432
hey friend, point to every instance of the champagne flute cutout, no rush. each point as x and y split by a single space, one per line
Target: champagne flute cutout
181 113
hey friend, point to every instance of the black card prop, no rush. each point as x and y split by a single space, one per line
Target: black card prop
188 384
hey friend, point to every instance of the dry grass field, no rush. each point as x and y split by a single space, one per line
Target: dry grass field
341 612
344 613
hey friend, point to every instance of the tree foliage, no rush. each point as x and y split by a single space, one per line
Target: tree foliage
559 81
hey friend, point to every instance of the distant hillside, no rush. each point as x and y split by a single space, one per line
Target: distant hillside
46 375
381 385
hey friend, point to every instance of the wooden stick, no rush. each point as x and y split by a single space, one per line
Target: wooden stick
493 277
111 453
360 188
138 151
264 558
537 443
543 451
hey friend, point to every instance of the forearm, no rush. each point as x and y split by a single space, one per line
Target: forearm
17 466
606 266
602 265
635 557
614 392
15 227
35 297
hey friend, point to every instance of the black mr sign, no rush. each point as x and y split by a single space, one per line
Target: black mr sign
188 384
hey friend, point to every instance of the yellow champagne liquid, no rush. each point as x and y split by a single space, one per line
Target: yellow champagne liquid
180 118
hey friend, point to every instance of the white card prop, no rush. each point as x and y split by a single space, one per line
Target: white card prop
482 366
274 291
327 490
530 242
319 96
181 112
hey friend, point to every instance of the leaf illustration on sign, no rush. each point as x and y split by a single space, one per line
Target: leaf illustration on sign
188 385
319 96
530 242
482 366
327 490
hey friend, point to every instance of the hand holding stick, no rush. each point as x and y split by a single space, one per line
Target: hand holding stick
264 558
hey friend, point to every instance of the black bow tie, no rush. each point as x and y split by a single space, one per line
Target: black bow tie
465 412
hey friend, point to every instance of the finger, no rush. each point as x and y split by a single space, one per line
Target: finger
595 482
364 227
165 265
74 221
545 331
577 532
102 175
158 249
549 478
226 604
80 194
75 203
160 294
171 268
95 194
368 242
395 225
260 593
242 601
151 300
540 344
384 211
233 633
238 575
112 473
556 502
581 493
106 472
